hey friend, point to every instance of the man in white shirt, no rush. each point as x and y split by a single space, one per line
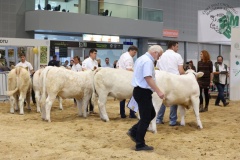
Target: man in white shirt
92 64
29 67
126 62
25 64
76 66
144 85
107 64
172 62
220 73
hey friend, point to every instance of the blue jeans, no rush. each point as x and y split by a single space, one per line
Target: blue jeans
172 116
220 88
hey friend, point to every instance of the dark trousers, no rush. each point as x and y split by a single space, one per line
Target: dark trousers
220 88
147 112
122 109
206 96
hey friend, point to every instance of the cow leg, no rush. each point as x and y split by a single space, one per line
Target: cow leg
195 104
79 106
37 96
49 101
60 102
28 98
102 107
16 103
157 102
182 113
13 103
21 102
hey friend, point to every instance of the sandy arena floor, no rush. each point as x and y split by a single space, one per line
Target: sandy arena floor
76 138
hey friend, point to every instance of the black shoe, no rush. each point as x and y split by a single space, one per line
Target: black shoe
225 104
129 133
123 116
133 116
145 148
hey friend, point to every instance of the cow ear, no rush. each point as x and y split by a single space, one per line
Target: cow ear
212 17
199 74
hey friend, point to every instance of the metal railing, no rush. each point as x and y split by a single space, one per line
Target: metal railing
3 86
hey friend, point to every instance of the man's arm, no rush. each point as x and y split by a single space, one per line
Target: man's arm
180 69
153 85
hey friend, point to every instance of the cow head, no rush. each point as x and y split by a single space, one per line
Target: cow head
196 74
215 24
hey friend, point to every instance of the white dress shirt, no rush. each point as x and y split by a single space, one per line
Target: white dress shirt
89 63
125 61
144 67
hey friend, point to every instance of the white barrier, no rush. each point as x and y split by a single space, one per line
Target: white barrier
3 86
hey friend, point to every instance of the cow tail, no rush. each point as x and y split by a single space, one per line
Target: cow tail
94 94
17 72
44 76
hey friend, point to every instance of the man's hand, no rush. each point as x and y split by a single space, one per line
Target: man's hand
160 95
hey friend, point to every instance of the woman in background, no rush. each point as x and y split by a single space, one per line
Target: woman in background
205 65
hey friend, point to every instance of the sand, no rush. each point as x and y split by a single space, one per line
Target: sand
76 138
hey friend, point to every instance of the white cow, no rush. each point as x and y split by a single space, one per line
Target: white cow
66 84
111 82
37 89
182 90
19 86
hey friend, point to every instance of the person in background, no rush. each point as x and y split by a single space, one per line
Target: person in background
54 62
171 62
144 85
126 62
107 64
205 65
115 64
220 75
71 63
29 67
92 64
99 62
66 63
76 66
190 65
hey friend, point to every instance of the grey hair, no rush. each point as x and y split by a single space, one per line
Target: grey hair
155 48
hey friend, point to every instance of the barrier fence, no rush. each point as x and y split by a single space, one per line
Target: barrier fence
3 86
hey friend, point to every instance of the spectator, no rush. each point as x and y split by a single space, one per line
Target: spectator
99 62
71 63
76 66
220 73
115 64
107 64
205 65
54 62
66 63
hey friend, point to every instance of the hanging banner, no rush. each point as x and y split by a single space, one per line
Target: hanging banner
215 23
235 65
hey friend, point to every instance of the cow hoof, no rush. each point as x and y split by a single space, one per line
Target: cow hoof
11 112
199 127
104 120
21 113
